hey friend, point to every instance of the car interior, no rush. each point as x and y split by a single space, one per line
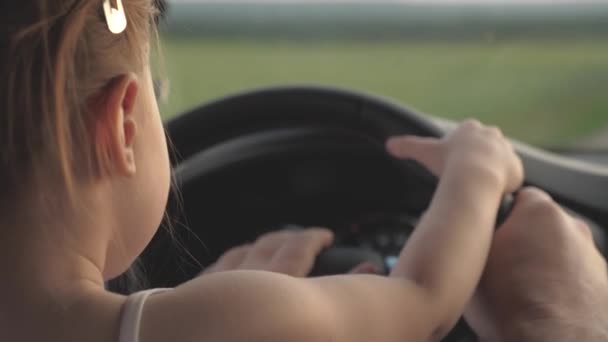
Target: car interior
290 157
299 156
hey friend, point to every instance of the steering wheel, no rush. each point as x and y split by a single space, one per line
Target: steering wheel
306 156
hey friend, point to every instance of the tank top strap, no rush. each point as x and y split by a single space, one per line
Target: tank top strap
130 321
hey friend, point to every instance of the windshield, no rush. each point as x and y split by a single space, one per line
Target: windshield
537 69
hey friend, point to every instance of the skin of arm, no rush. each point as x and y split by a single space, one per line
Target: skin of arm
447 252
436 275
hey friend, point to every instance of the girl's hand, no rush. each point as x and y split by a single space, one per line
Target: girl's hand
472 150
476 166
291 252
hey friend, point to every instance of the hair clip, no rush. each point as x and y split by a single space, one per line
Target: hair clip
115 16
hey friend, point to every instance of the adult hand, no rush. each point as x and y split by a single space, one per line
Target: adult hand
291 252
544 281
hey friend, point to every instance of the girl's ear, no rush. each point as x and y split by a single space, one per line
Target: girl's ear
116 125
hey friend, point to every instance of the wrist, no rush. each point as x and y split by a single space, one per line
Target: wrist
477 172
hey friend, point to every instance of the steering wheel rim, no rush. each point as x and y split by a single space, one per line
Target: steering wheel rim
268 108
219 135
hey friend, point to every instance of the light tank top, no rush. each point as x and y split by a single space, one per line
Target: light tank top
130 321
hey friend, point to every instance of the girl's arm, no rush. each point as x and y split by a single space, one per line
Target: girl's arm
434 278
447 252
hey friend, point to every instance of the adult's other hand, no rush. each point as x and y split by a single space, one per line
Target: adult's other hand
545 280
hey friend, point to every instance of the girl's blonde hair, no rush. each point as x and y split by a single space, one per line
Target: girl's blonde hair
56 58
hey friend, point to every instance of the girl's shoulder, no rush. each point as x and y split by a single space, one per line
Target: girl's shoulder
227 306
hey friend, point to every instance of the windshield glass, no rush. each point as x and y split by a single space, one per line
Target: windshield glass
537 69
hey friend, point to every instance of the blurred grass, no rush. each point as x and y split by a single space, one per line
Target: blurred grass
543 92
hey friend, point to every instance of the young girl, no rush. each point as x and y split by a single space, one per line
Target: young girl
85 178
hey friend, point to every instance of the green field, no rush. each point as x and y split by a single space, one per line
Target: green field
542 91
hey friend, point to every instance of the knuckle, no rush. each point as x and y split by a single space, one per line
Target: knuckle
294 255
530 194
546 210
495 143
466 128
517 173
543 205
538 205
497 132
471 123
539 219
238 250
492 147
286 266
265 246
304 241
584 227
262 252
